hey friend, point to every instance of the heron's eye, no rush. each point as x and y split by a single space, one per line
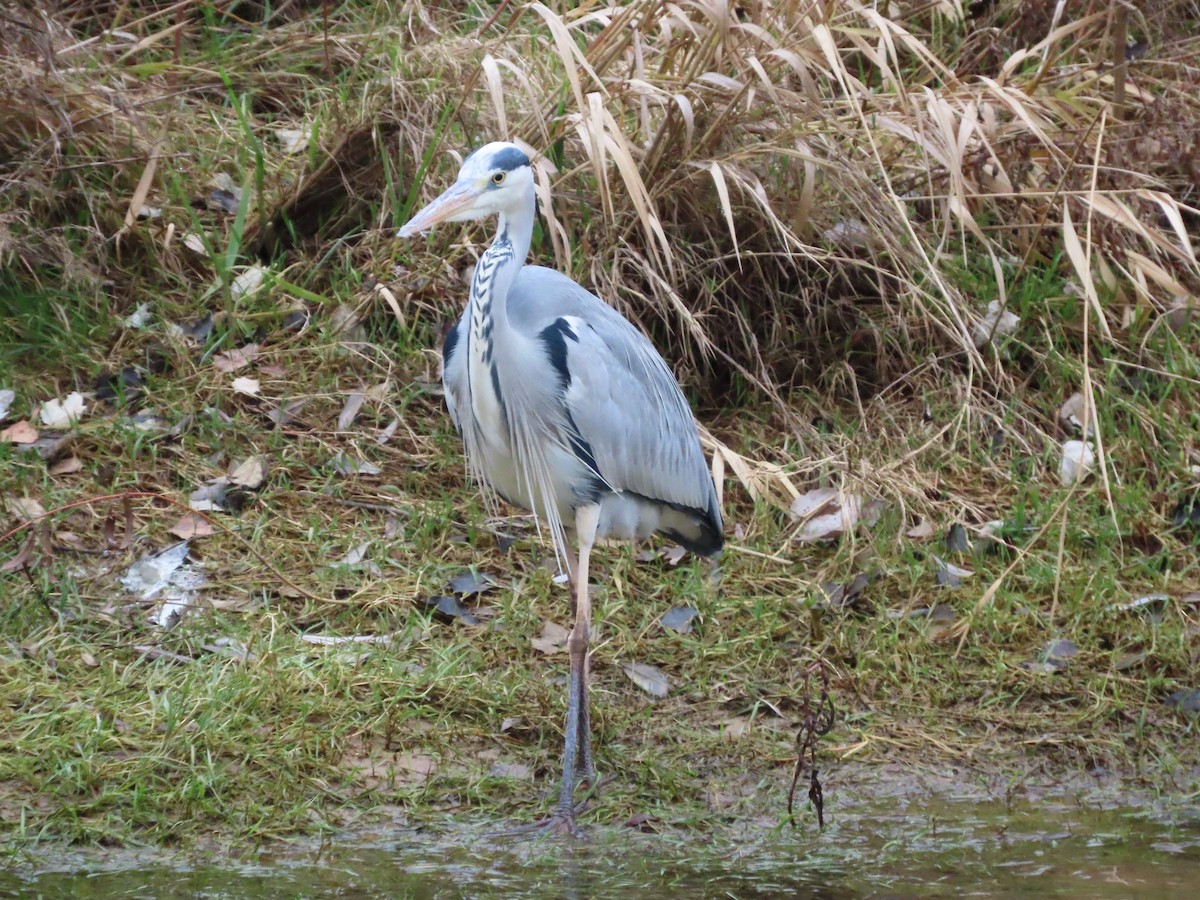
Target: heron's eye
498 178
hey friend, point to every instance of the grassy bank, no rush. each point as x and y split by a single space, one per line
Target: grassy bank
809 208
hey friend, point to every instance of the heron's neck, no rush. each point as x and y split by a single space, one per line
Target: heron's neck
500 264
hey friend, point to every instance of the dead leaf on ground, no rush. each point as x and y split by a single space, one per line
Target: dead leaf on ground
293 140
344 464
7 396
192 526
1071 415
997 322
386 435
19 433
25 509
553 639
1185 700
249 281
350 410
469 582
679 618
225 195
827 513
650 679
922 531
232 360
210 496
68 466
950 575
1055 655
287 411
249 473
246 385
451 609
1077 462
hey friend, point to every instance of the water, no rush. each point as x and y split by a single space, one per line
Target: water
904 847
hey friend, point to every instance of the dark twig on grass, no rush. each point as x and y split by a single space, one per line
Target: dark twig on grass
816 721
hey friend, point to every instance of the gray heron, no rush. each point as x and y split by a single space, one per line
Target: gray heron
565 409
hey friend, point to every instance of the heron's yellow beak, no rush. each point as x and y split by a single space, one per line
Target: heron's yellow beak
454 203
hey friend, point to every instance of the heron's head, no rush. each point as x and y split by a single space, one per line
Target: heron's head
495 179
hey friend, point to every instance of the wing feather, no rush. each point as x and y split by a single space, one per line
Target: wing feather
618 393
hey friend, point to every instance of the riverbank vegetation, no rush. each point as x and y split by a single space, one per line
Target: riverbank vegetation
900 256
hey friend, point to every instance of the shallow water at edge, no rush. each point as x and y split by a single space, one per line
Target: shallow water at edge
900 848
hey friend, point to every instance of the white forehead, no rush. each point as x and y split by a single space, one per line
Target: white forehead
498 155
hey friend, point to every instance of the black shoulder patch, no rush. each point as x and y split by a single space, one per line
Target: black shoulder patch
510 158
555 336
449 344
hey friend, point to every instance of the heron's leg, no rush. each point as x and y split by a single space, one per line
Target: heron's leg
577 754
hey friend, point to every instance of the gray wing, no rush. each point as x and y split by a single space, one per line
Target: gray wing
619 394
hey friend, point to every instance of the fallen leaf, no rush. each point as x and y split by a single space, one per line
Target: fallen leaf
286 412
195 243
1055 655
468 583
348 465
6 401
139 318
997 322
1184 700
1071 415
450 609
850 233
19 433
63 413
293 140
25 509
192 526
553 639
674 555
232 360
225 195
1077 462
950 575
649 678
68 466
249 473
386 435
249 281
922 531
245 385
350 410
679 619
153 572
957 539
828 513
209 496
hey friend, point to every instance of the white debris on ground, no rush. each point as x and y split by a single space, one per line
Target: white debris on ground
166 575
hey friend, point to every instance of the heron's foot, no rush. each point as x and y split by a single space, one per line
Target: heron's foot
562 819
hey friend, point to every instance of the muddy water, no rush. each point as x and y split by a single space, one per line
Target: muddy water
1064 846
